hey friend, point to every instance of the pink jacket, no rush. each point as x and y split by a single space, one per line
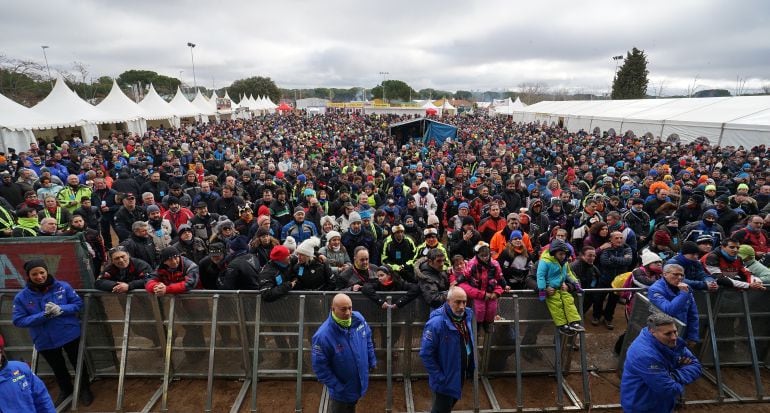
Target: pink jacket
476 279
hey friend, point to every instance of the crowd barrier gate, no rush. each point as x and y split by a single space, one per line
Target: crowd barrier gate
237 335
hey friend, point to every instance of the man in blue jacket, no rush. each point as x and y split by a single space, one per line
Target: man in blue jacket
673 296
694 274
20 389
343 354
447 350
658 366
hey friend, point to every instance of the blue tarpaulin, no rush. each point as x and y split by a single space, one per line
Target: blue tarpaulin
439 132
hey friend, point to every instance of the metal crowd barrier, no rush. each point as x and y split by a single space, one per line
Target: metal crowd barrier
236 335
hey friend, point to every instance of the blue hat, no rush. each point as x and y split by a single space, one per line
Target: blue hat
625 188
463 205
711 212
610 169
302 178
366 214
746 166
653 172
542 181
515 235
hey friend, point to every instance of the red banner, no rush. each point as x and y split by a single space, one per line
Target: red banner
66 260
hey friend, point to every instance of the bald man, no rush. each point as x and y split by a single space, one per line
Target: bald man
343 354
447 350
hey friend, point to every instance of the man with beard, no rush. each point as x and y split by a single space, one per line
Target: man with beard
160 229
70 196
175 191
127 215
206 195
480 203
212 266
464 240
189 245
203 223
512 199
93 240
176 214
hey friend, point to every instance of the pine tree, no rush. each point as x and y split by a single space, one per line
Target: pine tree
631 80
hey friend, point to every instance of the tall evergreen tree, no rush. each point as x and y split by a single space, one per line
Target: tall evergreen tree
631 80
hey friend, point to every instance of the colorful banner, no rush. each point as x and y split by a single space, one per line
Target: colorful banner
66 257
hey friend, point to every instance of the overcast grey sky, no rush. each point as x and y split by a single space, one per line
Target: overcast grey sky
451 45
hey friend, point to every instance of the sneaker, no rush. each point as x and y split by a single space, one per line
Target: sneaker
566 330
86 397
575 326
595 321
609 325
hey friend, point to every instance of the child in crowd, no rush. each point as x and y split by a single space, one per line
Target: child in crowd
554 280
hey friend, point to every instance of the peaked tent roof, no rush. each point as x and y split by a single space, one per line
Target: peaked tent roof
183 107
204 104
119 106
64 108
429 105
447 106
14 116
155 106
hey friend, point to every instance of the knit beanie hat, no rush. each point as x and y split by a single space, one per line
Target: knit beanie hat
333 234
648 257
308 246
279 253
661 237
354 217
290 243
34 263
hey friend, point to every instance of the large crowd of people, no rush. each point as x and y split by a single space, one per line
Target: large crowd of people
334 203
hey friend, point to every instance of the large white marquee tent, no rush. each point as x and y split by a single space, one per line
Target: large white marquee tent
741 120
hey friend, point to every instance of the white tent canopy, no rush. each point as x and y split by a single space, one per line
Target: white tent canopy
183 107
64 108
119 106
203 104
507 107
157 108
429 105
741 120
15 124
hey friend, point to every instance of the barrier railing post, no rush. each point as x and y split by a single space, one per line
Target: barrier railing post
389 356
558 340
124 353
752 346
212 345
474 332
80 366
517 361
300 355
714 348
584 361
167 360
255 359
244 333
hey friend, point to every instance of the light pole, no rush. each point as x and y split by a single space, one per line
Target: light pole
192 59
617 59
46 64
384 74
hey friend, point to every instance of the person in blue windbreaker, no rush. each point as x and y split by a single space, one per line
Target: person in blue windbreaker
51 309
673 296
446 350
20 389
343 354
658 365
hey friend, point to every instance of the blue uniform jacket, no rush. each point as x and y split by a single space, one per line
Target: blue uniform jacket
677 304
22 391
439 351
48 333
694 274
652 377
342 358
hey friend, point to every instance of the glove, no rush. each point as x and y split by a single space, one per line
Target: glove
541 295
52 309
578 288
724 282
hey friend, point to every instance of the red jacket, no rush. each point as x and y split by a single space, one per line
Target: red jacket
180 218
177 280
